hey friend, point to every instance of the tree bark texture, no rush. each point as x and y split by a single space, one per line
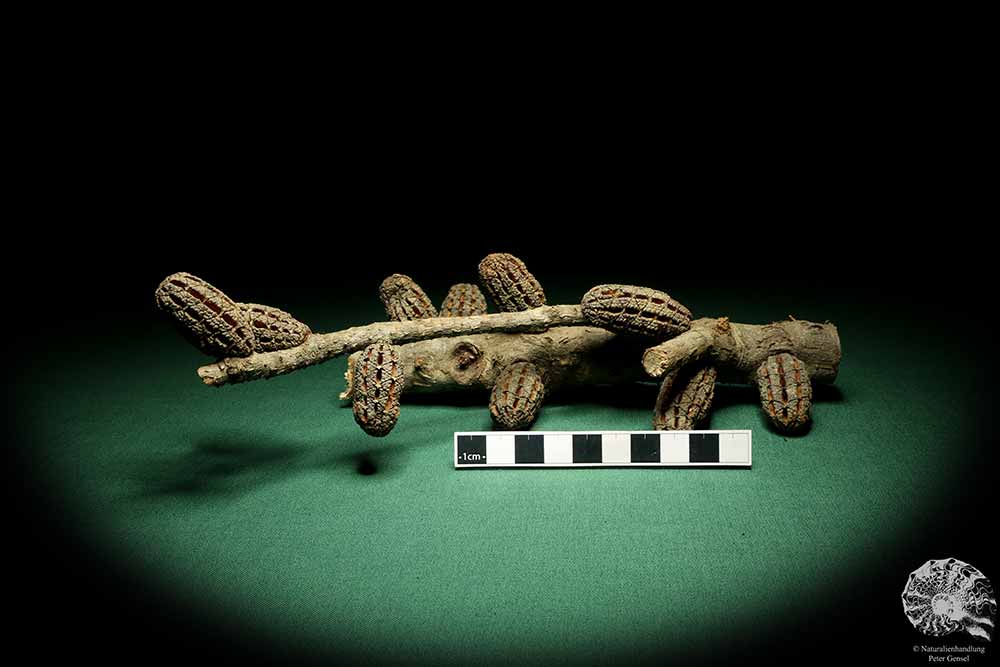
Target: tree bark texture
586 356
323 347
739 349
565 355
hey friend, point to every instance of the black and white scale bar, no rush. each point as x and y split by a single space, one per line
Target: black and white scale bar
593 449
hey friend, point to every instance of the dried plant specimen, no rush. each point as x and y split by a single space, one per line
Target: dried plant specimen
509 283
637 310
378 384
785 391
209 319
463 300
685 398
517 396
404 299
321 347
519 356
273 328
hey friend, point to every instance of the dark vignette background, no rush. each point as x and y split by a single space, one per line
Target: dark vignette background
98 607
239 173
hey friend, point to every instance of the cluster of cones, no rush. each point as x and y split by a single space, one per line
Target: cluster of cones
221 327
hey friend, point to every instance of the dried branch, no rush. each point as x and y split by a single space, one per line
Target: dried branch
519 355
567 356
677 352
323 347
587 356
742 348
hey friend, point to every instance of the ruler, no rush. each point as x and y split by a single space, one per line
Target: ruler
603 449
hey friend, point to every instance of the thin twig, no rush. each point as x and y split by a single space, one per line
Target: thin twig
323 347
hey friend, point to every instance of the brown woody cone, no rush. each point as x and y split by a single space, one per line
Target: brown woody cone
517 395
205 316
463 300
638 310
273 328
785 391
378 383
685 398
509 283
404 300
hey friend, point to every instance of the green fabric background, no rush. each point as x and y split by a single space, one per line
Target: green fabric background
249 503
